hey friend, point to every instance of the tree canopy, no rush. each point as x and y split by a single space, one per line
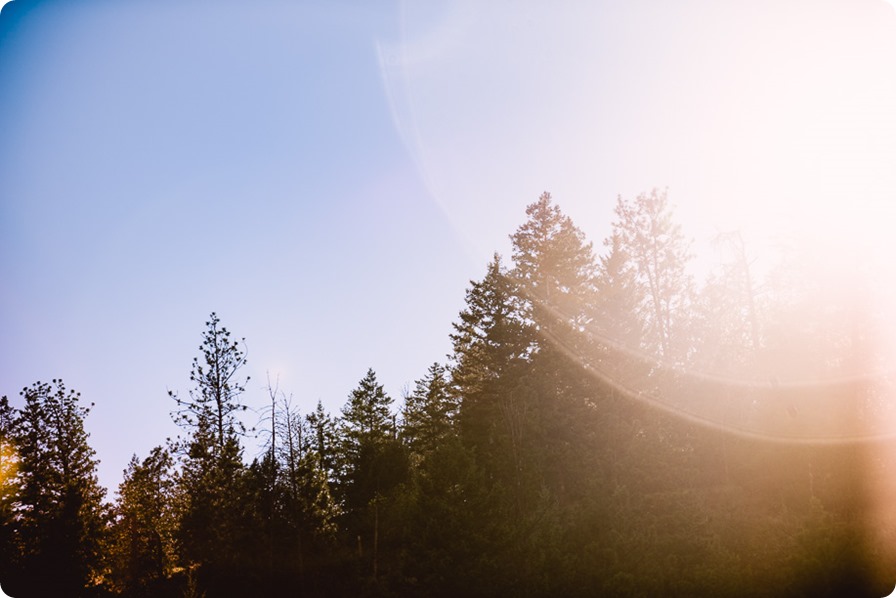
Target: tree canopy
603 425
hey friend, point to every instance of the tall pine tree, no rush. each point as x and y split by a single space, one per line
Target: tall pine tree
9 491
429 412
62 519
374 464
212 456
660 256
143 548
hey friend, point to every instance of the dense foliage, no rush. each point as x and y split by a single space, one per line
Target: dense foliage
603 427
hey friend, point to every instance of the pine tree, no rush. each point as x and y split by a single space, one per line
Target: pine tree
324 440
143 549
498 335
9 491
553 264
62 518
660 255
374 465
210 411
618 317
491 335
429 412
367 435
306 510
554 269
212 455
493 343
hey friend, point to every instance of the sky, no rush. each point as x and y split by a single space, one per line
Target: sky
328 177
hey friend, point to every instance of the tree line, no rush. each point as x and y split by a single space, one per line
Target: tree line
603 426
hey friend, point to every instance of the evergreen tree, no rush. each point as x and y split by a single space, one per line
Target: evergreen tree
429 412
374 464
367 433
492 344
9 491
617 320
553 264
307 508
490 336
143 550
61 522
324 440
210 411
212 459
726 325
660 255
553 393
494 341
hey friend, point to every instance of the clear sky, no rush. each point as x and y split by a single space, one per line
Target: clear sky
328 177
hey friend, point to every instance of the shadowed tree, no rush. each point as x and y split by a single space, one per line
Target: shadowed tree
9 491
299 511
212 459
212 406
493 343
143 547
554 269
62 520
324 440
429 412
374 463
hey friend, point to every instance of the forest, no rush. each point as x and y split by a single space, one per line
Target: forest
605 425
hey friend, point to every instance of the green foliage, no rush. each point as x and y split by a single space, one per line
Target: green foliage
553 264
368 445
428 414
374 464
491 334
569 448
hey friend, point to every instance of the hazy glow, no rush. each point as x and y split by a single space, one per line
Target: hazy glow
317 151
8 464
775 120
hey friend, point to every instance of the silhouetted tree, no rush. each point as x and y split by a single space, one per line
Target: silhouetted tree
61 518
9 491
143 548
305 509
210 411
374 463
325 440
212 459
429 412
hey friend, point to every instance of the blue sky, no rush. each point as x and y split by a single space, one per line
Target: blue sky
328 177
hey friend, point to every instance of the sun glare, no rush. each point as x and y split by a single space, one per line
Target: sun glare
8 465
